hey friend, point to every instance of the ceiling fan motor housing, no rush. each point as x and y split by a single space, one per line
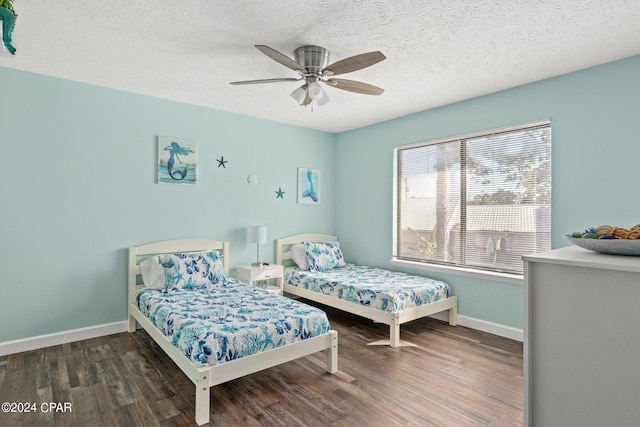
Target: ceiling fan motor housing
312 58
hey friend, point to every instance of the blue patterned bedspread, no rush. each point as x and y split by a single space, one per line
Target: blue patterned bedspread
372 287
229 321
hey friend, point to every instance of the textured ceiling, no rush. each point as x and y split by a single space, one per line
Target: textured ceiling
438 52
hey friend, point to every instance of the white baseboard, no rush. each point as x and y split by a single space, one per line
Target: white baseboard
492 328
58 338
484 326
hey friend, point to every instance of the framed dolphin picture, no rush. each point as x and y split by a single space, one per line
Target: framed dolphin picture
177 161
308 186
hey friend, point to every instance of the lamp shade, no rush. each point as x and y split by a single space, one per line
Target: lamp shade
258 234
317 94
299 94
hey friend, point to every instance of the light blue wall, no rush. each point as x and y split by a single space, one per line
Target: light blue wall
595 162
79 186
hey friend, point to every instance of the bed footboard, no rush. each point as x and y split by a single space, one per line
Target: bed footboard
332 353
397 319
394 330
453 312
203 397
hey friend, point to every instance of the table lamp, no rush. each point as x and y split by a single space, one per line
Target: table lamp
257 235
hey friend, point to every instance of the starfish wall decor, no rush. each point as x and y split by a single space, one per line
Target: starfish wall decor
222 162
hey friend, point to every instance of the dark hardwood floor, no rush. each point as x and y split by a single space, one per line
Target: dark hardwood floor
440 376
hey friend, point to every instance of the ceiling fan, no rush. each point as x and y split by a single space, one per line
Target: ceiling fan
311 64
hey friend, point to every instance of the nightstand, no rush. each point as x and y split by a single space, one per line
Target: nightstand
252 274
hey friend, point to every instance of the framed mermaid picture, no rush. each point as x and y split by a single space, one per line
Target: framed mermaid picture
177 161
308 186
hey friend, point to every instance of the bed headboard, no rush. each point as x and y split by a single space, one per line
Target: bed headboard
283 244
139 253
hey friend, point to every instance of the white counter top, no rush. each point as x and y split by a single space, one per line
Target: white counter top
579 257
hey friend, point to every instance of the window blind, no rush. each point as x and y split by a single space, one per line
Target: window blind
480 200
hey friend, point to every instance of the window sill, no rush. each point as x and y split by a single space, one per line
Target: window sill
468 272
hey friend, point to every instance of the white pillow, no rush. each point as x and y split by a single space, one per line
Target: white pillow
152 273
299 256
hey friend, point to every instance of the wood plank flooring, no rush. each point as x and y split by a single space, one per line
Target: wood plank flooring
440 376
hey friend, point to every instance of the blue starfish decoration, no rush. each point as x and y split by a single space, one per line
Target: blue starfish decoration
280 193
221 162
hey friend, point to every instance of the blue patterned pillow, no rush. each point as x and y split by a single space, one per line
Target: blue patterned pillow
175 272
217 267
324 255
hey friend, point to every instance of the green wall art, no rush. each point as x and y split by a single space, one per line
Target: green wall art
177 161
308 186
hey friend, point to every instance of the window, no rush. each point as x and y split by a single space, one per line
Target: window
477 201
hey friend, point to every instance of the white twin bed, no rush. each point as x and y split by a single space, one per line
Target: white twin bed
214 328
383 296
217 329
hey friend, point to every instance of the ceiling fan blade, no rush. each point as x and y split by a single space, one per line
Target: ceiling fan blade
251 82
353 86
354 63
279 57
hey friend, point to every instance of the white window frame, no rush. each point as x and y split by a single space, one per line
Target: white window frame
442 268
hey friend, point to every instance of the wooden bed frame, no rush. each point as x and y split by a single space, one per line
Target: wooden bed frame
209 376
393 319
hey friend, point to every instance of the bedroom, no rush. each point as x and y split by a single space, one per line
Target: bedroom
79 186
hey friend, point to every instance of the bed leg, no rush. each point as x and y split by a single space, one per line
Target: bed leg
202 400
332 353
394 331
453 312
132 324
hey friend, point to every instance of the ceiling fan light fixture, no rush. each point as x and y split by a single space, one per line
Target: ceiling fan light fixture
317 94
299 94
